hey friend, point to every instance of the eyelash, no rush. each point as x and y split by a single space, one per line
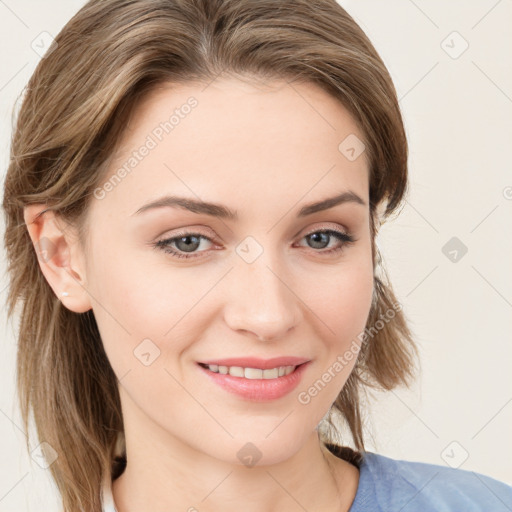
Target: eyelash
163 245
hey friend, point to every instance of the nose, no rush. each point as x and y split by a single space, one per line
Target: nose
261 301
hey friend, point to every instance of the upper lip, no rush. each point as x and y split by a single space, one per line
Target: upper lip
256 362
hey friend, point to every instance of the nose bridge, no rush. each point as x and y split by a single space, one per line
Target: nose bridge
262 300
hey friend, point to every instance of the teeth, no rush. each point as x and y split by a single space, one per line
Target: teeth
272 373
236 371
252 373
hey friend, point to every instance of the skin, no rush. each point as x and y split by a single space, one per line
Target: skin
264 151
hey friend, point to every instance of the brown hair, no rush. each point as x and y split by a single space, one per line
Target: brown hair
107 58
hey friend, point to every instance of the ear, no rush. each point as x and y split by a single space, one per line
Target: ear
59 255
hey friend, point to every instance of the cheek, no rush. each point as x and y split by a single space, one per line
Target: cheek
341 306
129 307
342 299
343 310
355 290
147 314
352 300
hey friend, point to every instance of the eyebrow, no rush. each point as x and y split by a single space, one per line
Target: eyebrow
221 211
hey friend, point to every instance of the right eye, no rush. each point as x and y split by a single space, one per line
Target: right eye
187 240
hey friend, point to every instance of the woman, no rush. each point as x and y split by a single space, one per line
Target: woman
191 209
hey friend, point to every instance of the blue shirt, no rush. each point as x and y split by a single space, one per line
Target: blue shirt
391 485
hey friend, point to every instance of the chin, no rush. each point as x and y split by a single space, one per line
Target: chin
262 450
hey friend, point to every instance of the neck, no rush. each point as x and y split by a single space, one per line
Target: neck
163 474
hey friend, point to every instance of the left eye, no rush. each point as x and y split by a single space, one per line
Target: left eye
188 242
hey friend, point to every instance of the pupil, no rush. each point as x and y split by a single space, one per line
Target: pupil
314 237
188 245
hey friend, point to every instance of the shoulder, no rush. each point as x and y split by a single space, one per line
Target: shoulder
413 486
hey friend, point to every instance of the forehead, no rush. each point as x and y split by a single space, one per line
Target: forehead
235 142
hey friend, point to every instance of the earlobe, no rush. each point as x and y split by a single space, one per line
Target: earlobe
57 255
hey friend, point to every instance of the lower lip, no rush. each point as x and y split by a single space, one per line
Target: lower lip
258 390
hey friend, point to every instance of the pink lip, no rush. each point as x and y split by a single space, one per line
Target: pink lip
258 390
255 362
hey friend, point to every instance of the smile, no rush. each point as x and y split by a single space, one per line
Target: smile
251 373
255 384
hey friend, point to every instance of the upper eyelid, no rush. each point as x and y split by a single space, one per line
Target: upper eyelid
325 228
213 236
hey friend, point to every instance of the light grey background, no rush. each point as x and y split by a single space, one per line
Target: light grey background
457 110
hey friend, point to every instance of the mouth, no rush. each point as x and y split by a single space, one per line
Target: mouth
251 373
261 382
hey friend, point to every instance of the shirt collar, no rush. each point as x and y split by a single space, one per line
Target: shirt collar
107 499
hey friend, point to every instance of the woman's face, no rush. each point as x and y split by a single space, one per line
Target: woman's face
262 283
